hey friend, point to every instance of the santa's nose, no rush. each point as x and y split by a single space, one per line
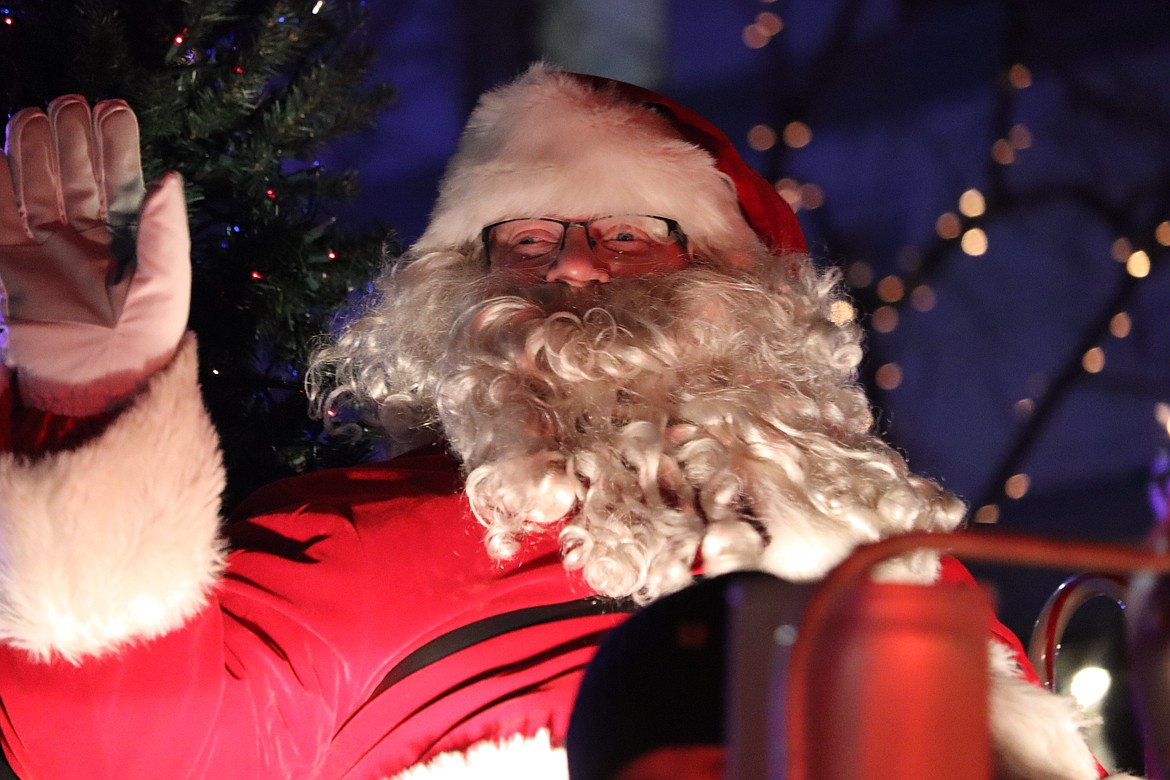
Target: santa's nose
576 264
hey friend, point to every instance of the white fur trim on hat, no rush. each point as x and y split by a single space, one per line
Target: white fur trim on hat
116 540
549 144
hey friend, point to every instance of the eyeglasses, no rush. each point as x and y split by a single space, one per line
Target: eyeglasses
626 240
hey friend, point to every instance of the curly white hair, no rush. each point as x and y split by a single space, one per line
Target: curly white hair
713 413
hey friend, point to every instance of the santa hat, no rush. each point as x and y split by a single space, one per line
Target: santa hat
554 143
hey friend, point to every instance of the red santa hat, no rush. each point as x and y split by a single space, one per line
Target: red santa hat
554 143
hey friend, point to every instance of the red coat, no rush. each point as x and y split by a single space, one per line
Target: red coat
334 580
315 650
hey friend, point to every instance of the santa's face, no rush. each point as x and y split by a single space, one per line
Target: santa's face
581 252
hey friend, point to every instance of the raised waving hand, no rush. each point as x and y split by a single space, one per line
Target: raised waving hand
95 273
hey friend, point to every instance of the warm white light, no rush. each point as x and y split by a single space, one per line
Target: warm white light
971 203
1138 265
317 8
1089 685
974 242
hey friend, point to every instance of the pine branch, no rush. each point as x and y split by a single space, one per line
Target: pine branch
238 96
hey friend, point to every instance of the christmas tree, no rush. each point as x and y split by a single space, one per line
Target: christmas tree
236 95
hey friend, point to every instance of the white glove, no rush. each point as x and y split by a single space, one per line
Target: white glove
98 280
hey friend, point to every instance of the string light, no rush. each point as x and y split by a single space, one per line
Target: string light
885 319
1020 137
790 190
1137 265
757 34
974 242
947 225
317 8
754 38
922 298
1003 152
769 23
1162 415
1019 76
1093 361
1162 233
971 203
888 376
257 275
797 135
891 289
761 138
987 514
1016 486
859 274
1119 325
1121 249
811 196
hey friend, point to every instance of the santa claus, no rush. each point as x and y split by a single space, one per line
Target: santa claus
619 370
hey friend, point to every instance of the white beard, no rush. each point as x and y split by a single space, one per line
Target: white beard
650 422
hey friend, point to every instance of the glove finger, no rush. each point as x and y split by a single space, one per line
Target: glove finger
73 138
34 172
119 164
161 289
12 228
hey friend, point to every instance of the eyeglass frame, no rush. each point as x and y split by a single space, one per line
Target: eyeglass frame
672 226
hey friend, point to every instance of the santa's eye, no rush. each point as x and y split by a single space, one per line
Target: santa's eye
522 239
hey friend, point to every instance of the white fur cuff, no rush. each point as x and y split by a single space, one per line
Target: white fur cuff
116 540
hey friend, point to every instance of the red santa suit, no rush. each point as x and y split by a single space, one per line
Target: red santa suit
358 629
355 629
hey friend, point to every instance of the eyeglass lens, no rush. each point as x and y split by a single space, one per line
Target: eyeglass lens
628 239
